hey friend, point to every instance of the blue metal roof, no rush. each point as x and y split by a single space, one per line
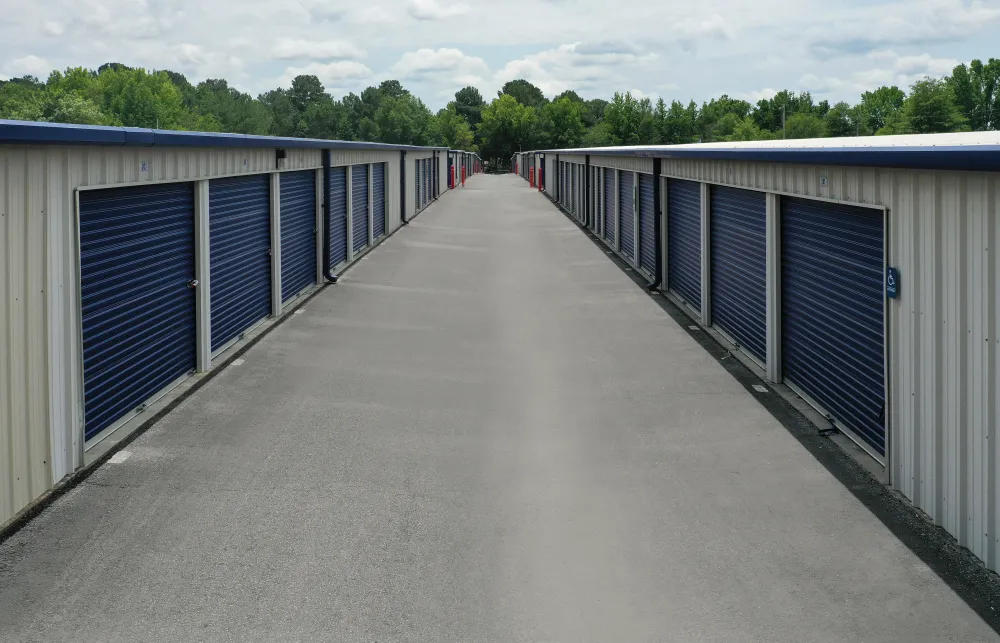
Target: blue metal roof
31 133
971 151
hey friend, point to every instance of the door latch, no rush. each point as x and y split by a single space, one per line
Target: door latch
193 283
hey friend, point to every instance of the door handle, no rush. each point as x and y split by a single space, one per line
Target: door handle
193 283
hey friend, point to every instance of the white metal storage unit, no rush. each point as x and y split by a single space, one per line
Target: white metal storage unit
909 378
103 319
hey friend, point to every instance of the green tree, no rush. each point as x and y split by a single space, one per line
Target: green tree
507 127
748 130
403 120
233 110
593 111
562 122
75 108
769 112
931 108
452 130
680 123
880 106
804 125
136 98
22 99
524 92
469 105
598 136
976 88
713 124
630 121
841 120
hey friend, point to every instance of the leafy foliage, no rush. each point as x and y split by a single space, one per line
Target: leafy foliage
520 118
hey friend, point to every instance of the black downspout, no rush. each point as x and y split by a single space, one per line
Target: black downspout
586 192
657 227
402 188
330 277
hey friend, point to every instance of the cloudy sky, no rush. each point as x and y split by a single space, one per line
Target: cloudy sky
670 48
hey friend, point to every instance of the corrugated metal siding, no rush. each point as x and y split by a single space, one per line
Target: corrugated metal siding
630 163
301 159
25 199
573 158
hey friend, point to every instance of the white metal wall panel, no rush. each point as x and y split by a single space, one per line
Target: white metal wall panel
630 163
573 158
302 159
24 413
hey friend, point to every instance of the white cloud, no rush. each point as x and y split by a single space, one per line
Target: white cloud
438 61
53 28
435 9
755 95
577 66
28 66
913 22
374 16
299 49
690 32
331 74
891 69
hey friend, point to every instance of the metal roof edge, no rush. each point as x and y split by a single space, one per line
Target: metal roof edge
35 133
944 157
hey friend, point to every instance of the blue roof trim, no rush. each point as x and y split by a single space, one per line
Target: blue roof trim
983 158
30 133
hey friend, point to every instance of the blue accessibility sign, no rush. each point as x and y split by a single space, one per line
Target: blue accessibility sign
892 282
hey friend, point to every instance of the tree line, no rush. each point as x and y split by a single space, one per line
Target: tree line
520 118
116 94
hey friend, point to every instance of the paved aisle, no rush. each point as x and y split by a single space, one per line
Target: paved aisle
486 433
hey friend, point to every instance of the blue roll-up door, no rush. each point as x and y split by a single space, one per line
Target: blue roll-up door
833 345
647 232
572 189
298 232
609 206
684 235
136 266
359 206
738 225
378 199
423 183
417 204
626 210
336 200
240 240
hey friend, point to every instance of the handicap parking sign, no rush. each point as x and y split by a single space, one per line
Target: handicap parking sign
891 282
